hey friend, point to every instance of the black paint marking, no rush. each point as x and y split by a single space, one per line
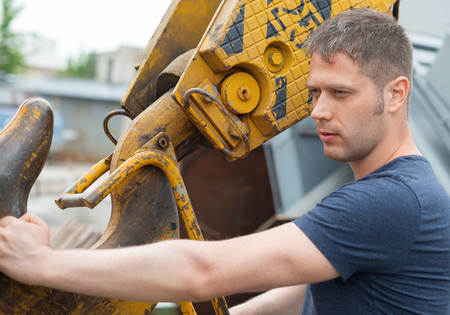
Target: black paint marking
293 12
275 14
269 2
308 17
271 30
353 8
297 11
233 42
323 7
315 20
292 37
279 109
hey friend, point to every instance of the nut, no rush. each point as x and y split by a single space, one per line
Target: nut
275 59
241 126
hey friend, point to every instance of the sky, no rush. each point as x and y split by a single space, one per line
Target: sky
84 26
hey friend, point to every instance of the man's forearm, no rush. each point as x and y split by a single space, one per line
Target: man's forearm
158 272
165 271
179 270
286 301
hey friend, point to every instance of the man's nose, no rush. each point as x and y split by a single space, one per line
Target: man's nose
321 109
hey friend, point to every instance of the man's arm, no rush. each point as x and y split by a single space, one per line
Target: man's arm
286 301
179 270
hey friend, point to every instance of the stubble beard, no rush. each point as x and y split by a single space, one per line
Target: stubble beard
359 146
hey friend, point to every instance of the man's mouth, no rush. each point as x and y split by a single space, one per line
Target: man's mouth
327 136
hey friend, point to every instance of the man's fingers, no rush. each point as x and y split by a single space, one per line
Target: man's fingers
24 247
27 217
32 218
6 220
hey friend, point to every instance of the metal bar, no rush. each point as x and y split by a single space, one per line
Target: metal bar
169 167
187 308
83 183
220 306
71 201
117 177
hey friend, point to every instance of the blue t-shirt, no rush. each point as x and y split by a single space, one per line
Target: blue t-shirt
388 236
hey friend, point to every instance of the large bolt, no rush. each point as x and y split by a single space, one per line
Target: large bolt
275 59
163 143
244 92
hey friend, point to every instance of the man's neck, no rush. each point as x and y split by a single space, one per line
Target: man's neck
382 155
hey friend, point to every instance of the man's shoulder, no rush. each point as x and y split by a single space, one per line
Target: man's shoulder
407 168
404 177
407 175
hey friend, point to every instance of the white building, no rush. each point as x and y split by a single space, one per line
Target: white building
117 67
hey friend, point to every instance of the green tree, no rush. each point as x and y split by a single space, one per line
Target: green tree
81 67
12 59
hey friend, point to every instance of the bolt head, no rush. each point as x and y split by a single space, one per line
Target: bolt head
241 126
163 142
275 59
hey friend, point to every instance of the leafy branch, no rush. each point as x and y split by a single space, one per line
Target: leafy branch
11 57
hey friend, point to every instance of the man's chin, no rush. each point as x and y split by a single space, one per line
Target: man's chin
336 156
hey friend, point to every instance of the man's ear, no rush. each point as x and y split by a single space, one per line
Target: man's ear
397 93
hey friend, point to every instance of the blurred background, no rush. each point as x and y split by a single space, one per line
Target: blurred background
80 55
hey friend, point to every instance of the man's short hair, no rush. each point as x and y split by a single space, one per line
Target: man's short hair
372 39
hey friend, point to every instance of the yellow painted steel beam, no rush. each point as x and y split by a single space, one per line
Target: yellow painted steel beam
187 308
158 152
179 31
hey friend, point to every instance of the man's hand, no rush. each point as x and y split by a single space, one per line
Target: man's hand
24 247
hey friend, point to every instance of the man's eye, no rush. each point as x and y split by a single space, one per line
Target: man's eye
338 92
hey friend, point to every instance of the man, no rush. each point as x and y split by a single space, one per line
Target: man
387 233
378 245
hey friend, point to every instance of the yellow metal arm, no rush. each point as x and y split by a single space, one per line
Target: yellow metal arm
72 196
157 152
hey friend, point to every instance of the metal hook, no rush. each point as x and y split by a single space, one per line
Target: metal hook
106 120
227 116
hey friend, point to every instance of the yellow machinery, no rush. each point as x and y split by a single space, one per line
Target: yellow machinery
229 75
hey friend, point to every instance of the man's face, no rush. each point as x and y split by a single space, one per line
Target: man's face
345 106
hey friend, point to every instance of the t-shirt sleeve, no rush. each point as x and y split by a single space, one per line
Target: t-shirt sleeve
364 226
